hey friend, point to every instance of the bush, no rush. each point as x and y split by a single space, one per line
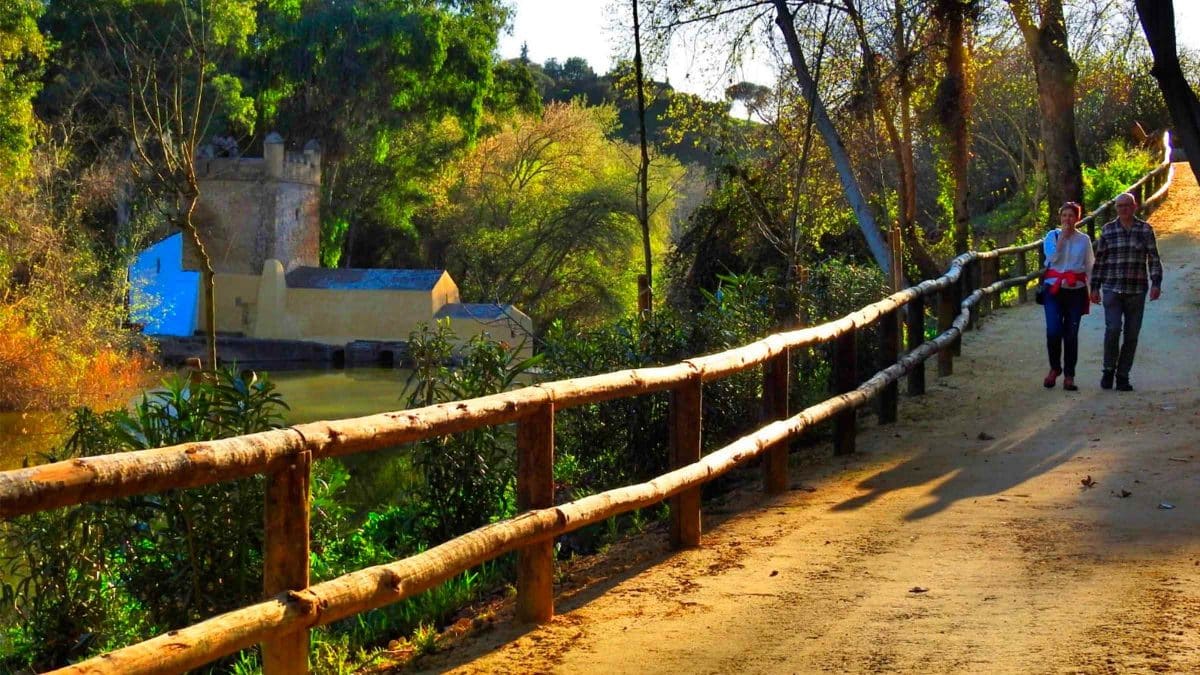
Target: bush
1123 167
94 577
42 370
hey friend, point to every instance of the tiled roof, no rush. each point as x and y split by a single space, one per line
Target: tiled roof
363 279
478 311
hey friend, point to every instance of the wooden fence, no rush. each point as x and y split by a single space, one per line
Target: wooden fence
282 622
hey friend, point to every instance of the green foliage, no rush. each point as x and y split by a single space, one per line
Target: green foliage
467 479
22 52
93 577
541 214
333 238
374 82
1122 167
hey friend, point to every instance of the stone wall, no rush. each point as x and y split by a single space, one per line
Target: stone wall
254 209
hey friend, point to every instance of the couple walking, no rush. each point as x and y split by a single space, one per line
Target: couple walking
1118 273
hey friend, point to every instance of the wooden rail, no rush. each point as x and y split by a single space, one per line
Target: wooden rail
283 621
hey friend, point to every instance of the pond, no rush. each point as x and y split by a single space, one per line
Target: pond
311 394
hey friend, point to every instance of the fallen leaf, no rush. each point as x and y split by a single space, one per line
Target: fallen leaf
1179 459
1088 482
1125 493
774 573
1165 506
984 436
918 589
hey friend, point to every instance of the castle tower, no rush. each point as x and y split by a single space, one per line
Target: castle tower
253 209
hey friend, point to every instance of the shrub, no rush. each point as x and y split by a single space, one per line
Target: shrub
1123 167
91 578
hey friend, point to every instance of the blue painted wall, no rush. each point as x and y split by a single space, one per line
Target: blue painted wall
163 295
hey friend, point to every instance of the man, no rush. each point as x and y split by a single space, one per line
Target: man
1127 265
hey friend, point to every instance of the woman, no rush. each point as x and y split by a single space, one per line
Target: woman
1069 261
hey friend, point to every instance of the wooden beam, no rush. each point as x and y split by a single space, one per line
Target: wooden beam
535 490
889 352
845 379
285 559
916 337
686 424
776 376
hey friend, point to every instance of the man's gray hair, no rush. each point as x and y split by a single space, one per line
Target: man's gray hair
1126 195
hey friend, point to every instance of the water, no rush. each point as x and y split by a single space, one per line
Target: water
311 394
335 394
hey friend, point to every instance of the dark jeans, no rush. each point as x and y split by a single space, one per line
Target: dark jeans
1064 310
1122 311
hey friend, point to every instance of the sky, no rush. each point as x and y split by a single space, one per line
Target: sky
561 29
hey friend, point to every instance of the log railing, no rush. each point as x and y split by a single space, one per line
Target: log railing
293 607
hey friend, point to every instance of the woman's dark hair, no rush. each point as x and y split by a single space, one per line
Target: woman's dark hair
1072 206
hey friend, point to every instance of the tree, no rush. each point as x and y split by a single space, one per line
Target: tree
1158 22
540 214
720 14
753 96
645 297
954 109
896 112
837 150
373 81
1045 35
22 50
168 59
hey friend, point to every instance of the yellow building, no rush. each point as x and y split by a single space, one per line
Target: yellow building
260 222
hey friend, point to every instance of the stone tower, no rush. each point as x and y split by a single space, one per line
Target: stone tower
253 209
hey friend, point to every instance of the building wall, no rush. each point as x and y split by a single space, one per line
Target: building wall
230 218
254 209
296 226
444 291
237 302
163 296
340 316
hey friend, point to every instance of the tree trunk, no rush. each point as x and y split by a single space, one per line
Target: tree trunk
643 192
206 281
837 150
1158 22
1056 76
955 111
928 267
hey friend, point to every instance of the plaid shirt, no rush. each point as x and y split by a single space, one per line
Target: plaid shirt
1123 256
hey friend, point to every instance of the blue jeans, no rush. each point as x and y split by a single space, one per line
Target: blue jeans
1064 310
1122 312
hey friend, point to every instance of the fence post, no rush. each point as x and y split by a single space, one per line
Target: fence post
775 407
947 309
994 276
685 433
845 378
974 275
889 349
916 337
535 490
1022 271
285 558
984 306
959 292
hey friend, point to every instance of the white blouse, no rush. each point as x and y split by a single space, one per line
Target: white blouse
1076 255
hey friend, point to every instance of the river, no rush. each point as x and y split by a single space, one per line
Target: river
311 394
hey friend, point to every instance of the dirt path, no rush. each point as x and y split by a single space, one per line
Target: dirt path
1026 569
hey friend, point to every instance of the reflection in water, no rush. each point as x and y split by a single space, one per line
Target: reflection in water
311 394
28 435
335 394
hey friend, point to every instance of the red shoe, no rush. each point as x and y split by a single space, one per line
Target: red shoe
1051 378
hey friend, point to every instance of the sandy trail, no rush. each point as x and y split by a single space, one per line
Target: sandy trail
1026 569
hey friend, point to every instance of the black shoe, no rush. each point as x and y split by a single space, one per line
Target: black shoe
1106 380
1123 385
